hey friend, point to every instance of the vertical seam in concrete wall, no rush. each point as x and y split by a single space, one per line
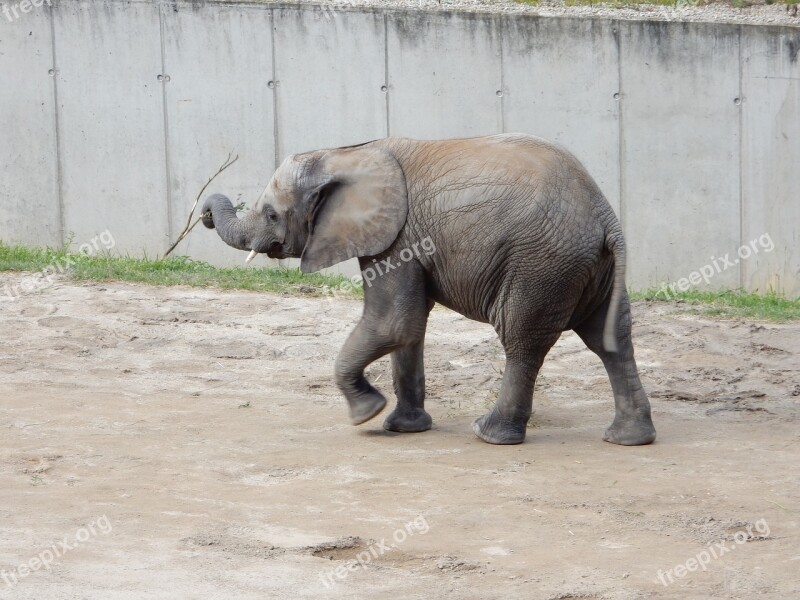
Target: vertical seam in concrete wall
62 225
386 68
164 108
500 36
276 136
621 130
741 149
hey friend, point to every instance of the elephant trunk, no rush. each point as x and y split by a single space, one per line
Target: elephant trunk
219 213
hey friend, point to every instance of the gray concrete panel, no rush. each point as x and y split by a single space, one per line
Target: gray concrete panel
680 163
444 75
770 159
29 203
112 123
561 83
330 70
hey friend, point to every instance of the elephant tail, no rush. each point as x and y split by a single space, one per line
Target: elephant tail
616 245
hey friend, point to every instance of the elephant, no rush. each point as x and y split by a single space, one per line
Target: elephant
522 238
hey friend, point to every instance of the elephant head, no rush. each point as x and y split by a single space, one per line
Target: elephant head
323 207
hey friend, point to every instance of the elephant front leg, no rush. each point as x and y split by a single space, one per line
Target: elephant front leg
360 349
408 370
395 316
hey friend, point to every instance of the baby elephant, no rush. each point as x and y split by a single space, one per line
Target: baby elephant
507 229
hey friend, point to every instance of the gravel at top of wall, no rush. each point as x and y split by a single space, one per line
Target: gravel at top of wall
775 14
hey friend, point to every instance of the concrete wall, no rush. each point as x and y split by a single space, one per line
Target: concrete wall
114 114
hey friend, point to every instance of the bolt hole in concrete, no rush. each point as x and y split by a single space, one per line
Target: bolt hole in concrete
616 96
271 84
384 89
499 92
737 101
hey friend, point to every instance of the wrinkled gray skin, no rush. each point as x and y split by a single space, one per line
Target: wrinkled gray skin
523 238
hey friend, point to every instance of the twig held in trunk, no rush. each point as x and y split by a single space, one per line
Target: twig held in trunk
189 225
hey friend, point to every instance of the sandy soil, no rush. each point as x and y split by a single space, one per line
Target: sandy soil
193 444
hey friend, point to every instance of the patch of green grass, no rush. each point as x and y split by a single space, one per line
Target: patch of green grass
171 271
730 304
185 271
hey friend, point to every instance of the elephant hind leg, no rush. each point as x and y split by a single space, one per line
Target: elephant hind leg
507 422
632 425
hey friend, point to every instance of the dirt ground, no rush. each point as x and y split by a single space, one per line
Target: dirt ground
187 443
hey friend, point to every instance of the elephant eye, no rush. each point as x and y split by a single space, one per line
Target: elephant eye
271 214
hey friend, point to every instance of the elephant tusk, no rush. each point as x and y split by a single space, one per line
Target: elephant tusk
250 256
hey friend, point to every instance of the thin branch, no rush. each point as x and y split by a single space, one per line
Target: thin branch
189 225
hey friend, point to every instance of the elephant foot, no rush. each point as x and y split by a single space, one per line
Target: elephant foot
366 407
409 421
496 429
631 431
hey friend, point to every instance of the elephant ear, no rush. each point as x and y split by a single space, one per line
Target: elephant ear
359 209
